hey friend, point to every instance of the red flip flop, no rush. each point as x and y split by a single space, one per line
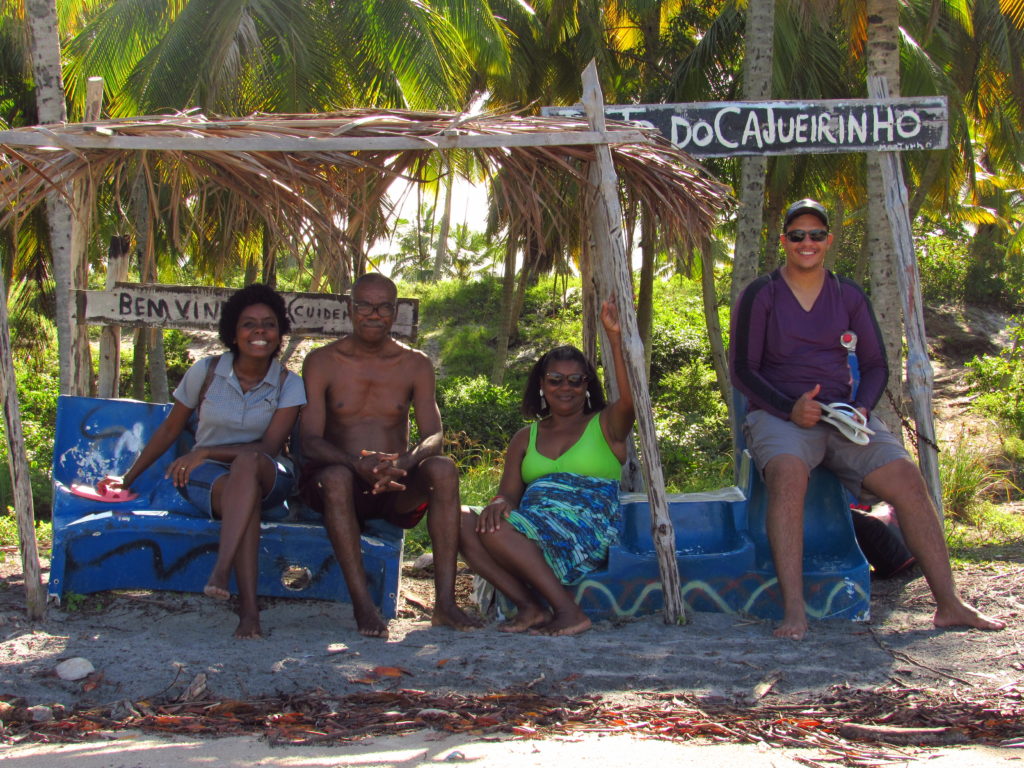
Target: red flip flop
91 492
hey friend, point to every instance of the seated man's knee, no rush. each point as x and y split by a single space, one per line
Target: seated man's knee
786 469
336 485
440 471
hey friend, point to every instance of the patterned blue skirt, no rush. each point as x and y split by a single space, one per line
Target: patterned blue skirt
573 518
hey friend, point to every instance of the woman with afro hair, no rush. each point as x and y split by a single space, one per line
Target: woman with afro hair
246 403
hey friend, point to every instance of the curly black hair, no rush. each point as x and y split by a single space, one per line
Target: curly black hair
256 293
531 407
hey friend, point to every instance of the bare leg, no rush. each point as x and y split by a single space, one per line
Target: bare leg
236 501
529 613
522 557
342 524
900 483
442 489
786 479
246 572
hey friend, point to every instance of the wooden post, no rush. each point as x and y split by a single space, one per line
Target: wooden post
35 594
919 368
110 335
612 273
84 201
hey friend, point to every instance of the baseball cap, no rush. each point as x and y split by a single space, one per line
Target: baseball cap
805 206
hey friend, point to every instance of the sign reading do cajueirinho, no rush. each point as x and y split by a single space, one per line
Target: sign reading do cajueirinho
725 129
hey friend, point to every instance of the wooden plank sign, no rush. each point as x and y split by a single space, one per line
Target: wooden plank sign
196 307
728 129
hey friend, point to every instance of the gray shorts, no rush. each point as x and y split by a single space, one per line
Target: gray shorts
769 436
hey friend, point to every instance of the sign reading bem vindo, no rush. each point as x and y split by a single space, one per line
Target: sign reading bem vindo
727 129
190 307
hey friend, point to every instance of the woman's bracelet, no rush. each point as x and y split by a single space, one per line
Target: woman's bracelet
499 497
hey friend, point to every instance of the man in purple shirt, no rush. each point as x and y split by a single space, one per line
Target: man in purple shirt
788 357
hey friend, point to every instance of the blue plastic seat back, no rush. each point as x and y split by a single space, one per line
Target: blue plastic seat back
97 437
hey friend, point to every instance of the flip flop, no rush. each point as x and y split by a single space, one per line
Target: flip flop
849 421
91 492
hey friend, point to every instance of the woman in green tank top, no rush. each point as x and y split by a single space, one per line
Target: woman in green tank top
557 507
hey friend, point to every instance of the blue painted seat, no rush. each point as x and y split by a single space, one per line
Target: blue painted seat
723 554
149 544
837 579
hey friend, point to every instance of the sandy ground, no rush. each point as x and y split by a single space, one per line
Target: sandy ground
154 644
150 647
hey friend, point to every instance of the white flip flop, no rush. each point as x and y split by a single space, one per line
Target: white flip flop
849 421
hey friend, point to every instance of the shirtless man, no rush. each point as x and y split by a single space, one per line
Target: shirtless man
355 441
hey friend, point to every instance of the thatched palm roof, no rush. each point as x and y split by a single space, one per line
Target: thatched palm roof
323 176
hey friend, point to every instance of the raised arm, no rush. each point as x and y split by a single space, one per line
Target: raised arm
619 416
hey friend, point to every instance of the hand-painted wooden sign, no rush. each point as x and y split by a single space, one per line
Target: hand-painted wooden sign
726 129
191 307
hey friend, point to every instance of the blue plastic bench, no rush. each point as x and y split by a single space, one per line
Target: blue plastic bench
148 544
723 554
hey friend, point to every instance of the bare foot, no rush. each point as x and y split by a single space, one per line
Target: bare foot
574 622
963 615
792 629
370 623
216 592
249 628
526 618
454 617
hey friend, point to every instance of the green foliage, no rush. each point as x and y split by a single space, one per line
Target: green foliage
995 533
971 478
38 381
999 381
176 355
474 407
467 350
9 532
942 261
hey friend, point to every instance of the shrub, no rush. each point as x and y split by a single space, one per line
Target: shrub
486 415
999 380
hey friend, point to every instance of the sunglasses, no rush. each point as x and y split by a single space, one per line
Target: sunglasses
798 235
365 308
575 380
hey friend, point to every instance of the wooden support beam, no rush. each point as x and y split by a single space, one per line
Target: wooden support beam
919 367
35 593
612 274
40 136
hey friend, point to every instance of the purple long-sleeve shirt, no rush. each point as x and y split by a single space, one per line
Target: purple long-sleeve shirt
779 351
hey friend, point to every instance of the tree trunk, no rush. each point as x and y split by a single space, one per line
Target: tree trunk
883 60
441 252
139 363
21 483
612 269
718 355
508 290
110 335
645 296
757 85
50 106
919 369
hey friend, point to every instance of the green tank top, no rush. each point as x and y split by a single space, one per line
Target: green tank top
590 455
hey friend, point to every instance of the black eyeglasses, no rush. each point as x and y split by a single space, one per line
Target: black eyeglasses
365 308
575 380
798 235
